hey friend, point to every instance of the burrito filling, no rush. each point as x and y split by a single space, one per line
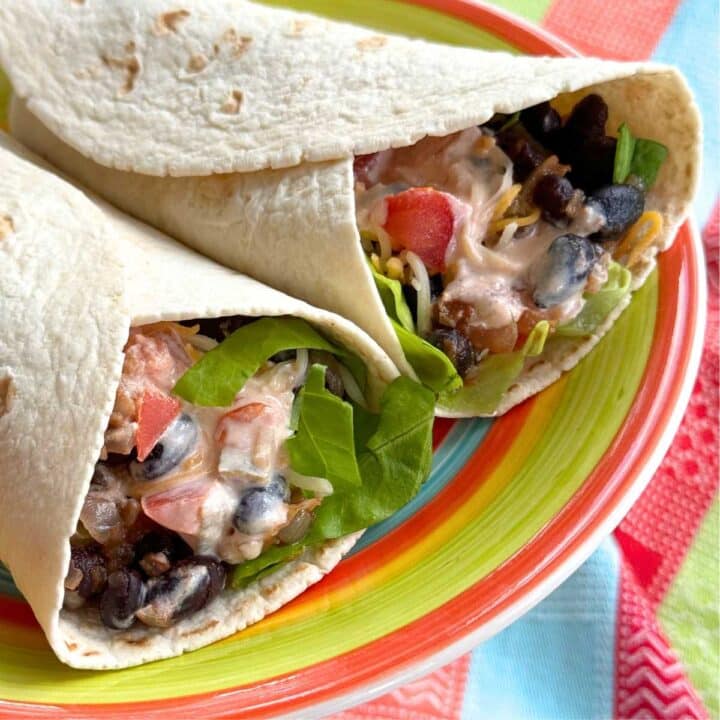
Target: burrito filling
204 480
485 242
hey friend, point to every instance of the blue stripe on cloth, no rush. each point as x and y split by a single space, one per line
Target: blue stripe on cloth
558 661
692 42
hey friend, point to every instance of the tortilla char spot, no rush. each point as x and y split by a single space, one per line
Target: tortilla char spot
89 653
238 43
197 62
7 226
137 642
7 394
374 42
232 104
129 65
297 27
271 589
70 646
196 631
168 22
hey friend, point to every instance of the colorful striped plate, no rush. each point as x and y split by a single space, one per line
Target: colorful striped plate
511 509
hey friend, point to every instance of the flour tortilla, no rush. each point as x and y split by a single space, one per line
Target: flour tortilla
189 146
73 281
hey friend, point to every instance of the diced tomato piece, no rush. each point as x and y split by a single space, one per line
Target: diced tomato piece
243 414
421 220
155 412
180 507
246 413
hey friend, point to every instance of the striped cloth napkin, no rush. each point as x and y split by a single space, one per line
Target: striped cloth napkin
635 632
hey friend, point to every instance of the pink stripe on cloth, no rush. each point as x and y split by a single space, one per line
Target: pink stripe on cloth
438 696
611 28
650 680
657 533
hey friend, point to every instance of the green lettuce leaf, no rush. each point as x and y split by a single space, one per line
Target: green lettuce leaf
433 367
393 299
324 443
264 564
221 373
393 464
393 460
599 305
637 157
494 375
623 154
647 159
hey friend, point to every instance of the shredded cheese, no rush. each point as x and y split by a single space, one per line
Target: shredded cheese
505 201
507 235
351 387
384 244
193 353
641 235
166 326
483 145
421 283
395 268
533 217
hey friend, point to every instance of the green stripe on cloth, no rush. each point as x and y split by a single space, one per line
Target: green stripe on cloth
4 99
533 10
690 615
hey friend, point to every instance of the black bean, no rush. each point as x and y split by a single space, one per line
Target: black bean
588 118
257 505
182 591
219 328
334 383
410 295
563 270
115 459
87 571
552 194
175 444
620 205
437 285
118 556
456 346
102 476
284 356
541 121
592 163
496 122
158 549
164 541
124 595
525 153
297 528
278 487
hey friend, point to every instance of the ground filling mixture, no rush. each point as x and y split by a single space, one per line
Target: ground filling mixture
182 492
498 228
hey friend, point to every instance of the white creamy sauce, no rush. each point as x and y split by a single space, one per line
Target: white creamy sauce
252 453
494 280
238 447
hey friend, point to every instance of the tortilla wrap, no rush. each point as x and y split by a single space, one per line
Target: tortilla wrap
177 114
74 281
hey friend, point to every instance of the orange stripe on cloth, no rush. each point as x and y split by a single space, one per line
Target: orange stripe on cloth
611 28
